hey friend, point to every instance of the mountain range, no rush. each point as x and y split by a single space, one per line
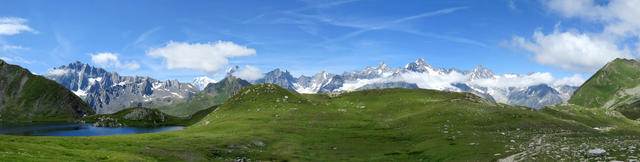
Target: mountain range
419 74
108 92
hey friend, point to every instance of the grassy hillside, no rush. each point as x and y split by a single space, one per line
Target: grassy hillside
25 97
213 94
613 85
266 122
145 117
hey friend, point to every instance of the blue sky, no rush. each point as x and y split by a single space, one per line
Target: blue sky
306 37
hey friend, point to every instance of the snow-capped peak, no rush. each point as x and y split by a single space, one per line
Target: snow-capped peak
420 66
421 61
202 82
481 73
383 65
321 75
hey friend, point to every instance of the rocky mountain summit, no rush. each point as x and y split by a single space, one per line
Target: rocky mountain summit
108 92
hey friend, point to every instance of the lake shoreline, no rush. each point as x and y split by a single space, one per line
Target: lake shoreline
79 129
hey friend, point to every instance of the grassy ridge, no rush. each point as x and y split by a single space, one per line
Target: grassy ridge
213 94
266 122
607 85
614 86
186 107
32 98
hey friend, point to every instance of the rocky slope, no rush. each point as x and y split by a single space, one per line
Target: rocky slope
422 75
25 97
108 92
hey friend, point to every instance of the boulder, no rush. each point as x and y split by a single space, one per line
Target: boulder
596 152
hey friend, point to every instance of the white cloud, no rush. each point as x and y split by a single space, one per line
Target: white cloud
575 80
443 81
511 80
207 57
249 73
433 80
107 59
505 81
14 25
438 81
104 59
620 16
587 51
57 72
571 50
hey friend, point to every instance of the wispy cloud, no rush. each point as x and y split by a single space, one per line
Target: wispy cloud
63 50
308 23
319 5
143 37
448 38
14 25
400 20
15 59
7 47
512 4
311 5
311 23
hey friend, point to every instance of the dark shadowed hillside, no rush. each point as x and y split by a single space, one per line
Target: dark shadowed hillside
25 97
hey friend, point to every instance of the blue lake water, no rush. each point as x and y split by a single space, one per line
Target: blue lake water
79 130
